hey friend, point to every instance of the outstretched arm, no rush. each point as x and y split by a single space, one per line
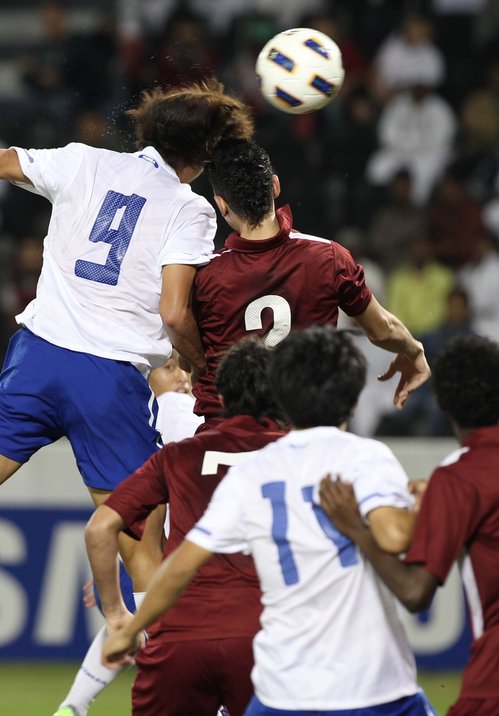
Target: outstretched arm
413 585
10 167
166 587
386 331
176 312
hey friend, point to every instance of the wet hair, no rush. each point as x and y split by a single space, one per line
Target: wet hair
317 376
466 380
184 124
241 173
242 380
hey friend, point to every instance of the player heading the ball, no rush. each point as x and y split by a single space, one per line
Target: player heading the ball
271 278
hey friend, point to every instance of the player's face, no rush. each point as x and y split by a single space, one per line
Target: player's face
170 379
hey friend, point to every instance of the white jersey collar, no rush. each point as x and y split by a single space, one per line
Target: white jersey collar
151 154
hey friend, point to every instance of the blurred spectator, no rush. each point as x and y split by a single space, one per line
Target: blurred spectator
347 141
66 71
408 58
480 119
21 289
416 132
457 323
185 53
456 222
397 224
480 280
252 33
417 292
421 415
490 214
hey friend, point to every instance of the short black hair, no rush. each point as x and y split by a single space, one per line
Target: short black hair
242 380
317 376
466 379
241 173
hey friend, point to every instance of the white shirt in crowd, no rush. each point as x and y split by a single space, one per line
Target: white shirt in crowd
480 281
401 64
117 219
417 136
331 636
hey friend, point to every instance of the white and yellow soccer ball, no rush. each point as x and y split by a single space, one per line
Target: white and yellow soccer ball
300 70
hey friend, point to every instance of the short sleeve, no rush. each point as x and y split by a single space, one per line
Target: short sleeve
378 480
349 282
190 239
137 496
449 515
50 171
221 528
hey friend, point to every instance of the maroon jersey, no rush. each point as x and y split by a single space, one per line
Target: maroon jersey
460 509
223 601
267 288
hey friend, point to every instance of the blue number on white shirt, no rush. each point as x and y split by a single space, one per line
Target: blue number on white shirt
119 236
346 548
275 492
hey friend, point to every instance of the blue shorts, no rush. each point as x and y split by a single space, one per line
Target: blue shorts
417 705
104 407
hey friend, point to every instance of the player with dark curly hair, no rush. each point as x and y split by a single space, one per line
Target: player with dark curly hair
270 278
459 512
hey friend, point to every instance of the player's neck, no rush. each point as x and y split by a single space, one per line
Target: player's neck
461 433
266 230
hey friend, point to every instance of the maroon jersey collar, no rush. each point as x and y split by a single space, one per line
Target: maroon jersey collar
482 436
248 246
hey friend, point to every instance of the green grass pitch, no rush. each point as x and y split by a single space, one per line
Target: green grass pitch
37 689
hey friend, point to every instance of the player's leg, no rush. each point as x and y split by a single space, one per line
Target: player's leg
92 677
28 417
174 679
108 417
234 658
7 468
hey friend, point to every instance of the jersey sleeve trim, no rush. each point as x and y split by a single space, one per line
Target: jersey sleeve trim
390 499
178 257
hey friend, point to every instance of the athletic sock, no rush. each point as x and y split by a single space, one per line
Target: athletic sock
92 678
139 598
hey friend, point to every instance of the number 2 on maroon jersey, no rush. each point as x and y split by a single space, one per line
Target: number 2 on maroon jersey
282 318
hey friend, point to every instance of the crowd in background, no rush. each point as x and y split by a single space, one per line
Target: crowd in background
402 168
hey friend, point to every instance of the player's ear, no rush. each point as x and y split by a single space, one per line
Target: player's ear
277 185
221 399
222 205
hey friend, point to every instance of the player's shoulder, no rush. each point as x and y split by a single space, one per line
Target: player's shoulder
195 202
297 236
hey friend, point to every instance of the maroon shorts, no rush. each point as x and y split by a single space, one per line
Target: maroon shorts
475 707
193 678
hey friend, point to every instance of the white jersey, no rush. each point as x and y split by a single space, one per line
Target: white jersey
117 219
332 637
176 420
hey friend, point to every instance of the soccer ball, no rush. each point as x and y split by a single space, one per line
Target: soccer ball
300 70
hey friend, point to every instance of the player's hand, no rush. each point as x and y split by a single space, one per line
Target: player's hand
340 505
418 488
413 373
89 598
119 649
